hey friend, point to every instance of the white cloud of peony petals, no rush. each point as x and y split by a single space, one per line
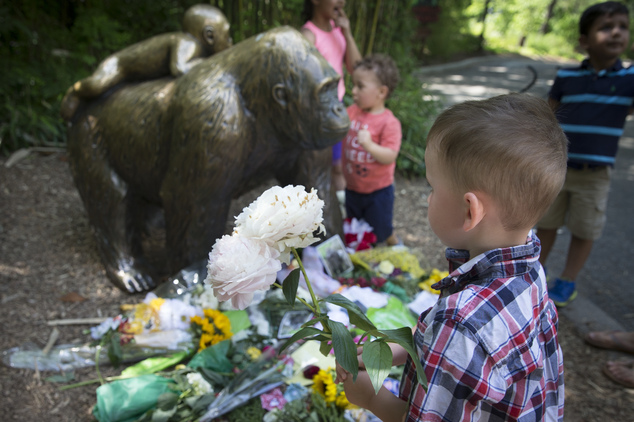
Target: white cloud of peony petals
239 266
283 218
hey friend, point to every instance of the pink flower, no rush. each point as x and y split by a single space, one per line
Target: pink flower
238 266
273 400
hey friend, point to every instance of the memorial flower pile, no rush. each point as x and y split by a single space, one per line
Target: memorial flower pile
229 358
266 233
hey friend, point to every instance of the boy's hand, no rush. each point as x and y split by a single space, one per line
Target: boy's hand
342 374
364 138
359 392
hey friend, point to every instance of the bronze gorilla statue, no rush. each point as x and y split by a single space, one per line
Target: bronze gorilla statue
266 107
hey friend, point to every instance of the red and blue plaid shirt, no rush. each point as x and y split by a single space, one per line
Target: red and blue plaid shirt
489 346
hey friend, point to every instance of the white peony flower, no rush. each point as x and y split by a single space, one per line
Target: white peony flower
283 218
199 385
239 266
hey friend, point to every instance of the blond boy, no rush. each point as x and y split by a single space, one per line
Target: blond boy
489 346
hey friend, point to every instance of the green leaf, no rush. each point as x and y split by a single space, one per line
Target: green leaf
323 319
152 365
403 337
325 347
377 357
301 334
239 320
356 315
213 357
160 415
345 349
212 376
290 286
114 350
203 402
166 401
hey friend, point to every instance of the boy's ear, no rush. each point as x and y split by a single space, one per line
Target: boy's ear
474 211
384 90
583 41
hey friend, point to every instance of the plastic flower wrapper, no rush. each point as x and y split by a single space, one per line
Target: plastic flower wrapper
287 217
261 376
174 314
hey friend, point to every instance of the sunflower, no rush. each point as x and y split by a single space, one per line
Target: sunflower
215 327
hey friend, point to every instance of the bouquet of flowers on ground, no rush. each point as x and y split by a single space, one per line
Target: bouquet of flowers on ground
266 234
216 380
154 327
394 270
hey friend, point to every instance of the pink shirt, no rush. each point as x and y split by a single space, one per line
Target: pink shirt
331 45
362 172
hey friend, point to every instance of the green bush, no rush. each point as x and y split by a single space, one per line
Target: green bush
410 104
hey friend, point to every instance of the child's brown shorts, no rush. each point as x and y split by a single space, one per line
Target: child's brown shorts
581 204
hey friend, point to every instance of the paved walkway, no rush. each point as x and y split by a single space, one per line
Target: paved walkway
606 286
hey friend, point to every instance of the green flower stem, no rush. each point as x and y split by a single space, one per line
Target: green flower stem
97 353
276 284
310 288
100 380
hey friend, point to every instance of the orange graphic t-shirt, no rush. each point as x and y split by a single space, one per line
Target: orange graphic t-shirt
362 172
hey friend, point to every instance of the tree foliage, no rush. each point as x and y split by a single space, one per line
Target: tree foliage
545 27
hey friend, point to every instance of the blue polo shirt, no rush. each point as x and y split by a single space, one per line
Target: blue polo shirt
593 108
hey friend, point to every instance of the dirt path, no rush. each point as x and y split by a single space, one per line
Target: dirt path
49 269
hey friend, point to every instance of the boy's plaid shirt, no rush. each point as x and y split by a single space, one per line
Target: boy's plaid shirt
489 345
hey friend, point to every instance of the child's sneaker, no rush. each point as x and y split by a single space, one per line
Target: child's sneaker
562 292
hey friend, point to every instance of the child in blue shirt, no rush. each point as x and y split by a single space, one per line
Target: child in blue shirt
591 101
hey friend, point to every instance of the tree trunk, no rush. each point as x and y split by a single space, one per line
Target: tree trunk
545 29
485 12
374 23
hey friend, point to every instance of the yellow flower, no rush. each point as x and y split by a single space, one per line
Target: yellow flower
145 318
324 384
156 304
216 327
254 352
319 382
402 259
342 401
331 390
435 276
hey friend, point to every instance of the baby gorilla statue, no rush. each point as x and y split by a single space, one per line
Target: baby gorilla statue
206 32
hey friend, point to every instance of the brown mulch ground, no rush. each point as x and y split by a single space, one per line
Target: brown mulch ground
49 269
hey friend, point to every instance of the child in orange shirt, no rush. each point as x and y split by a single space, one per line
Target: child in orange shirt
370 149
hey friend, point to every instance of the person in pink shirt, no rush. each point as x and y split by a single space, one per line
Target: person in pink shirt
370 149
327 27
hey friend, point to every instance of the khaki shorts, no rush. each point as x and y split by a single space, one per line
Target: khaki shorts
581 204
